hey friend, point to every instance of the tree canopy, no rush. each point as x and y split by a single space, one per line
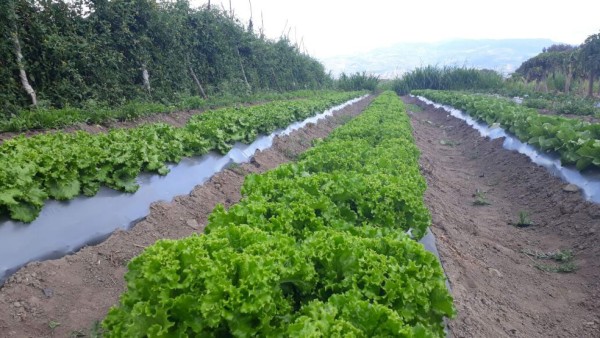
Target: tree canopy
112 51
573 61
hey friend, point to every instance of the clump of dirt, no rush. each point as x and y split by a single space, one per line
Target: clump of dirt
501 282
67 296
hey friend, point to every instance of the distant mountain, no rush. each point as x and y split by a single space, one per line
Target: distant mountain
504 55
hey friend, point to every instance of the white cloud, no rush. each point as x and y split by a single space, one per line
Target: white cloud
335 27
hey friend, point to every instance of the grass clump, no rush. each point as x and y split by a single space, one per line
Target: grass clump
480 198
523 221
562 260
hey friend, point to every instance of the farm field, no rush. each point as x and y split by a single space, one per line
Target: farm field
488 279
501 284
134 115
62 166
82 289
189 169
577 142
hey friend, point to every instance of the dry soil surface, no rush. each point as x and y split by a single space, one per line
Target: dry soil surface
67 296
498 289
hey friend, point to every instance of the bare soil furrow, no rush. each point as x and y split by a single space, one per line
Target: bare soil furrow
499 289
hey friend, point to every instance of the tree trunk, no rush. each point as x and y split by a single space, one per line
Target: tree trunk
243 71
22 72
544 83
568 79
591 87
275 80
200 89
146 77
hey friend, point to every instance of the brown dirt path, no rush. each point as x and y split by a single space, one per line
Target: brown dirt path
498 291
77 290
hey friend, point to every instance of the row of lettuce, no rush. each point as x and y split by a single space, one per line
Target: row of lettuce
577 142
47 118
563 104
316 248
64 165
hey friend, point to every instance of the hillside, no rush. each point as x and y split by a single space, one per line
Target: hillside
388 62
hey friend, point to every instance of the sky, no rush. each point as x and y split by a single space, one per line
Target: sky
333 27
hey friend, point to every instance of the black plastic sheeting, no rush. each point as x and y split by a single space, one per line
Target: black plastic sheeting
588 181
65 227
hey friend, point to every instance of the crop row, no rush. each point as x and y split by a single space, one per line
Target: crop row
93 113
564 104
577 142
317 248
63 165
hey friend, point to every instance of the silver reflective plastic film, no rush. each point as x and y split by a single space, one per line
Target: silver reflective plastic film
589 182
64 227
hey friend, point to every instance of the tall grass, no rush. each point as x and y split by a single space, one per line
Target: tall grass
357 81
447 78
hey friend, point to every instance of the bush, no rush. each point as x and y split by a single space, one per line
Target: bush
357 81
448 78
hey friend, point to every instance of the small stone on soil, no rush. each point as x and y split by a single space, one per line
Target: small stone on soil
192 223
495 272
571 188
48 292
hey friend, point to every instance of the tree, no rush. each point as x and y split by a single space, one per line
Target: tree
570 66
560 47
75 52
12 34
590 59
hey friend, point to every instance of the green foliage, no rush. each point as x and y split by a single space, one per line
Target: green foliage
357 81
560 268
524 220
562 104
538 67
95 113
480 198
558 255
413 108
447 78
577 142
563 260
63 165
77 51
566 64
538 103
590 54
308 252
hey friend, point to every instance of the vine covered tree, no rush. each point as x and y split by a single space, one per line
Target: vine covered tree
576 63
590 59
70 52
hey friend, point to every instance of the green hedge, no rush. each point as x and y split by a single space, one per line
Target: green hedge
63 165
577 142
316 248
